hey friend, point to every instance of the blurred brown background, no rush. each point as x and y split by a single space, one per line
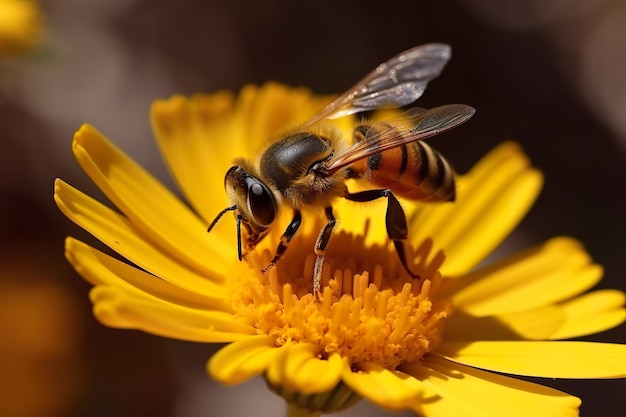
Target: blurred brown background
550 74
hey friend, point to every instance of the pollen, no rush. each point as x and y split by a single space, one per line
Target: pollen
368 310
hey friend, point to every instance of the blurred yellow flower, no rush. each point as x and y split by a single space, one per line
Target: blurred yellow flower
41 334
427 345
20 26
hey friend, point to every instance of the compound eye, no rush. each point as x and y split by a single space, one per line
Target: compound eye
261 203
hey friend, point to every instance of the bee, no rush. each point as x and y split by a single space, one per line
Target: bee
307 167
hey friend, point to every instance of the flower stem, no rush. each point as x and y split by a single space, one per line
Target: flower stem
293 410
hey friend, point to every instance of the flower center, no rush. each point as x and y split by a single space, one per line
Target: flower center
369 308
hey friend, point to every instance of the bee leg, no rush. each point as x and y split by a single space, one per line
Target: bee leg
395 220
239 253
320 248
289 233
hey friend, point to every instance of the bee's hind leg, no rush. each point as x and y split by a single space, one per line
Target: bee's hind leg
395 221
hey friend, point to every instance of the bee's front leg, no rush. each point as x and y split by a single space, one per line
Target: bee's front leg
286 237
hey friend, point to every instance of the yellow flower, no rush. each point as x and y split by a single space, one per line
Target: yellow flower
427 345
20 26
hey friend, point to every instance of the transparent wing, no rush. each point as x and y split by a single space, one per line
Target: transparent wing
397 82
415 124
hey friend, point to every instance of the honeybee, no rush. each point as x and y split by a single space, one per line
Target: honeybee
307 167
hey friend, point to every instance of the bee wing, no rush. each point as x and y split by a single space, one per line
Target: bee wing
397 82
415 124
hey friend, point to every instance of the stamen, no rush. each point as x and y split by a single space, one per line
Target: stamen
368 308
360 284
378 276
347 282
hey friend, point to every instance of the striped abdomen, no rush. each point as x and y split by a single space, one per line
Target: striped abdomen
414 171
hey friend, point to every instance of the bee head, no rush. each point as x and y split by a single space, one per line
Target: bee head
254 205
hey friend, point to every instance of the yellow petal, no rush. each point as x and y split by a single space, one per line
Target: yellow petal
592 313
493 172
311 374
364 219
150 206
393 390
299 368
584 315
455 390
277 373
244 359
196 139
115 308
492 199
262 112
115 231
536 324
553 359
276 107
101 269
553 272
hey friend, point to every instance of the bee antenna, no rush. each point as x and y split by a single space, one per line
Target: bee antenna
219 216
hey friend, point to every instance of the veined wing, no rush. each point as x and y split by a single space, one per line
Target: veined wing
397 82
415 124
